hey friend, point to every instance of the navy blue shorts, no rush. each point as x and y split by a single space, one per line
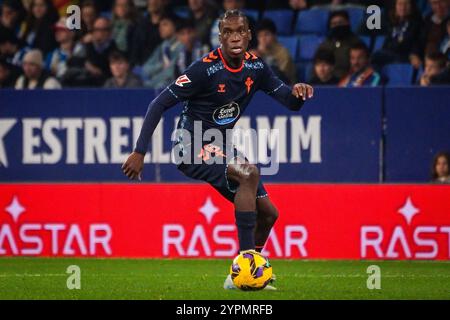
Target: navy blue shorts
216 173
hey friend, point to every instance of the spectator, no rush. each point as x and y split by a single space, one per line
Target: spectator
56 61
232 5
433 31
123 22
12 15
38 32
339 40
445 44
34 76
203 16
323 69
120 69
403 32
434 65
11 48
361 73
98 51
440 169
160 67
89 14
273 53
146 37
298 5
192 49
8 74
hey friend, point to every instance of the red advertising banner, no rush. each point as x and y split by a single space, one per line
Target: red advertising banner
193 220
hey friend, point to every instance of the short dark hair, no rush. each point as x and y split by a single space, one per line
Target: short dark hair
361 46
116 56
266 25
444 154
232 14
185 24
324 55
336 13
438 57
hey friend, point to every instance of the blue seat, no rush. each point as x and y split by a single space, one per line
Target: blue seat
356 17
367 40
254 14
304 71
290 43
307 46
378 43
182 12
398 74
282 19
312 21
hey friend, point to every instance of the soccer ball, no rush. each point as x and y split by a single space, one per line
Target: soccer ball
251 271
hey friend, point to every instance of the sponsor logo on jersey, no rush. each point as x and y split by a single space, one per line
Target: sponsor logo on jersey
227 113
182 80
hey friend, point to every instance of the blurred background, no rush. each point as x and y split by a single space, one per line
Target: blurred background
372 146
138 43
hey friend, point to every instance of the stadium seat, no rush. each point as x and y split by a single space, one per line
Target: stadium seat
398 74
356 17
312 21
182 12
367 41
304 71
282 19
254 14
291 43
307 46
378 43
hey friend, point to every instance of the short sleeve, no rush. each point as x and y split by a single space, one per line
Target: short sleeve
190 83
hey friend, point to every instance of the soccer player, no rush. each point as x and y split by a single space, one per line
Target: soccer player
216 91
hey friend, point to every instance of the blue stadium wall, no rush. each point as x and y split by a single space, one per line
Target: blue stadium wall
342 135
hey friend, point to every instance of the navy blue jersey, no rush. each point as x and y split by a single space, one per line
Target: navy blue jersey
216 94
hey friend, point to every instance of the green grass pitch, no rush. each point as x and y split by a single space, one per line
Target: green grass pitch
45 278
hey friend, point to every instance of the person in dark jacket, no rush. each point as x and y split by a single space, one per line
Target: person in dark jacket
405 23
38 29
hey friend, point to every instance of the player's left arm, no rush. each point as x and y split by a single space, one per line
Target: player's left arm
291 97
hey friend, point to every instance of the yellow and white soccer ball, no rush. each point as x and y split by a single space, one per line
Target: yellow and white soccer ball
250 270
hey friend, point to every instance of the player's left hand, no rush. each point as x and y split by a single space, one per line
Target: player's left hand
303 91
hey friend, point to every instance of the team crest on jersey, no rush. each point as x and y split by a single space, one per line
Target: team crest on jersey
226 114
182 80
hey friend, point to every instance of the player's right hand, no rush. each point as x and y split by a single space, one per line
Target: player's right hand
134 165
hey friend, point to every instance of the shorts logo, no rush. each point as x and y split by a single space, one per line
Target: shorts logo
182 80
226 114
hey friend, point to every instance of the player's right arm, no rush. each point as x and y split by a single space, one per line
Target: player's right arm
184 88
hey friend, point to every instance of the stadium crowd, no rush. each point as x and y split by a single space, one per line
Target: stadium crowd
148 43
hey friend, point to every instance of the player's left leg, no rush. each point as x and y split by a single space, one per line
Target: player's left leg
267 215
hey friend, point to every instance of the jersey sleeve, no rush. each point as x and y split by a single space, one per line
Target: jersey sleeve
190 83
274 87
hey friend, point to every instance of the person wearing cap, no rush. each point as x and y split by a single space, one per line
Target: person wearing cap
56 61
273 53
34 76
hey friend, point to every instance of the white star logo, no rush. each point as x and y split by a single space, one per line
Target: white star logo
5 126
408 210
208 210
15 209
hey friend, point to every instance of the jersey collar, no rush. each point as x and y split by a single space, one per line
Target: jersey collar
226 65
